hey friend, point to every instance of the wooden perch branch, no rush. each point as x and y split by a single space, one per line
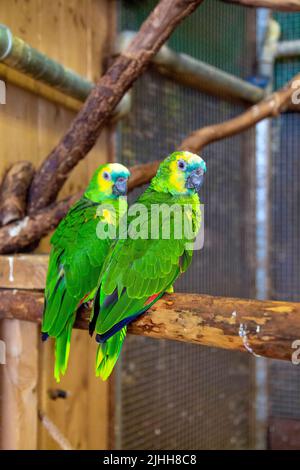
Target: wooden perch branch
13 192
19 235
271 106
267 328
258 327
86 127
279 5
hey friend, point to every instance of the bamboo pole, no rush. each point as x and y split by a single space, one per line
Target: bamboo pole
55 95
286 49
29 68
37 88
193 72
19 55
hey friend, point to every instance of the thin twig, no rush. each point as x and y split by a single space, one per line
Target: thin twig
271 106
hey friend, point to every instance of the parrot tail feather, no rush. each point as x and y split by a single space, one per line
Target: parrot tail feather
108 353
62 349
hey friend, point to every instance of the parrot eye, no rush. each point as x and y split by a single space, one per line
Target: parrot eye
106 176
181 165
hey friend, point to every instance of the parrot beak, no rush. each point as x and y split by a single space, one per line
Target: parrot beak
195 179
120 187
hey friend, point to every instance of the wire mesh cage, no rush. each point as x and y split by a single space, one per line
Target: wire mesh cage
284 379
171 395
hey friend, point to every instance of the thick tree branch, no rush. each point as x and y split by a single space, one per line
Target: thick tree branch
13 192
86 127
279 5
266 328
19 235
271 106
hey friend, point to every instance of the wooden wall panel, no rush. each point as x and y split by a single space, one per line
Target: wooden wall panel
19 376
77 33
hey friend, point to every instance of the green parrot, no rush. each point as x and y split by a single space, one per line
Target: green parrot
79 247
140 268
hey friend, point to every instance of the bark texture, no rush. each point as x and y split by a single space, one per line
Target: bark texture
265 328
13 192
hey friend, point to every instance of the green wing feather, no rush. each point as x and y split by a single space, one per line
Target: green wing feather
135 271
76 260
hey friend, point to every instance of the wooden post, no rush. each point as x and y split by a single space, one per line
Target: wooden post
19 376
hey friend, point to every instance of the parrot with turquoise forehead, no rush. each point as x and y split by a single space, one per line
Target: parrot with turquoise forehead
77 255
140 269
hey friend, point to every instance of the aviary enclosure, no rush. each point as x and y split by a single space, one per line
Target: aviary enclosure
215 364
